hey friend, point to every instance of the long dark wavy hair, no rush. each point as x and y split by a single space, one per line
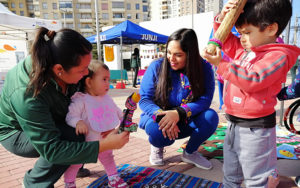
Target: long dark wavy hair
64 47
193 68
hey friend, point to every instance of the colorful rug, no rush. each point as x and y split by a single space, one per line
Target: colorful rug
137 176
213 146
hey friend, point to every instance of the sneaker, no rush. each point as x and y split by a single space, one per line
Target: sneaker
156 156
70 185
197 159
297 181
117 182
83 172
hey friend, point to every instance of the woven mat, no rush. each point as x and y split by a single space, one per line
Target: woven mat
137 176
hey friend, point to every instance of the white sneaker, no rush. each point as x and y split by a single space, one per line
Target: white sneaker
156 156
197 159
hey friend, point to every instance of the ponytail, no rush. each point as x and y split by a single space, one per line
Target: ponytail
64 47
42 60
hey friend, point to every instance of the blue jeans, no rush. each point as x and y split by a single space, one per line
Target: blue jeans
199 127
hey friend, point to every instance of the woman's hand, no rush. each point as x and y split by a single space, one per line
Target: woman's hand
81 128
212 59
104 134
168 124
227 7
113 140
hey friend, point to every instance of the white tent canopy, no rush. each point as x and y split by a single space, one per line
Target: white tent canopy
14 27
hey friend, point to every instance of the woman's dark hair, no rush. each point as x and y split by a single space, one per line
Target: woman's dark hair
262 13
136 51
93 67
64 47
193 68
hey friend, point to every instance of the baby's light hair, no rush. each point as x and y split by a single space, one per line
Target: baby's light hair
93 68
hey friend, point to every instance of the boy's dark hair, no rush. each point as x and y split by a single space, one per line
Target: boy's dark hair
262 13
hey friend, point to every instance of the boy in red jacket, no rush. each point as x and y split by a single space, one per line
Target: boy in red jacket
252 81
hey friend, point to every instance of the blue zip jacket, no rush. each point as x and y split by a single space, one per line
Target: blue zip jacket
178 93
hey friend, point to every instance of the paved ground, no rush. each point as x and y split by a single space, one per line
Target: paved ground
137 152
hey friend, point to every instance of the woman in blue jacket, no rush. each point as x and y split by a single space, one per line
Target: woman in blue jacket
176 93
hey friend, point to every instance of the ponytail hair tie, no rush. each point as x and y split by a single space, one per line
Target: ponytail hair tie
49 35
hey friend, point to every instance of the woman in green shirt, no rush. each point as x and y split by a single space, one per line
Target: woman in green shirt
34 102
135 63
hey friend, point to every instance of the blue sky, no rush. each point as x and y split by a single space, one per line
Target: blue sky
296 11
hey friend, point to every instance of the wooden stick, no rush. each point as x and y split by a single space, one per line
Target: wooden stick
226 26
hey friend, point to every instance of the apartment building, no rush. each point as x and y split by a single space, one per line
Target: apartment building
213 5
164 9
80 14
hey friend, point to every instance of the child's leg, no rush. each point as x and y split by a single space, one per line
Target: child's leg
71 172
233 175
257 155
108 162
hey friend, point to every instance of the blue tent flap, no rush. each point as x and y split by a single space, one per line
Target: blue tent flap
131 33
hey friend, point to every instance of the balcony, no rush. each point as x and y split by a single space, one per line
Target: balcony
85 10
86 20
118 19
86 30
84 1
118 9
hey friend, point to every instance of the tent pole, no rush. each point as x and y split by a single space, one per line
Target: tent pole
121 42
97 32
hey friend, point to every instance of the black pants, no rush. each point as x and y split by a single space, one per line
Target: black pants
136 70
44 174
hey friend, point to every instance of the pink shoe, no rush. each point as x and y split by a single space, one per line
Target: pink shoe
117 182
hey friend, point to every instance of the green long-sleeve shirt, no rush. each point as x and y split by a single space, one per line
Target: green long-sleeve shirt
40 117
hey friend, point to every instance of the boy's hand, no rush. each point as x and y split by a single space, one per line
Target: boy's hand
81 128
227 7
114 140
212 59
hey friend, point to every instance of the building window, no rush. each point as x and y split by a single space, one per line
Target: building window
22 13
105 16
145 17
104 6
69 15
145 1
77 5
86 16
55 16
118 15
128 16
117 4
21 5
45 5
45 16
54 6
13 5
137 16
69 25
65 5
128 6
137 6
36 8
30 7
145 8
